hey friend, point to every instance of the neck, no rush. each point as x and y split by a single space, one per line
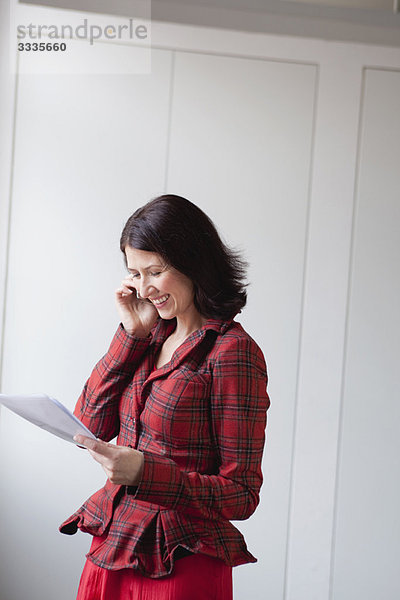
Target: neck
185 325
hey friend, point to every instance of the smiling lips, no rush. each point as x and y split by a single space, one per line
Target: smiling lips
161 300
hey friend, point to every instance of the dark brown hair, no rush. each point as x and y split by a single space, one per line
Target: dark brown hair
186 238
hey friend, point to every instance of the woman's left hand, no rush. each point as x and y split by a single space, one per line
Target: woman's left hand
122 465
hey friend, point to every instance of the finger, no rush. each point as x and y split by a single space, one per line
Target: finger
81 440
122 296
125 290
128 281
97 446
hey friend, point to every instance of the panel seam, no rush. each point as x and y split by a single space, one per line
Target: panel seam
346 333
301 329
169 122
8 210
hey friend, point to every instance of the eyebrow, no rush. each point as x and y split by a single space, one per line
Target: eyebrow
157 266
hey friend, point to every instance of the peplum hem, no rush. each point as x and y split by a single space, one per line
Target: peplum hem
146 542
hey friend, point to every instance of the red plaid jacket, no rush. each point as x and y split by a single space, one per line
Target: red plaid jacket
200 421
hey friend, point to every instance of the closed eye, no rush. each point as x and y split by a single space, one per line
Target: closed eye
136 275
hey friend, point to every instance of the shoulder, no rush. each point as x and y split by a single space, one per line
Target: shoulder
236 346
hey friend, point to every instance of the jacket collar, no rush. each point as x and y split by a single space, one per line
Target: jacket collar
163 328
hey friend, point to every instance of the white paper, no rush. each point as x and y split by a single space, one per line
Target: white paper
47 413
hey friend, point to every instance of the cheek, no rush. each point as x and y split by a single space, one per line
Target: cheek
180 288
184 294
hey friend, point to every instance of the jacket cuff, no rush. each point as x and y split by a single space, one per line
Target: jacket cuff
125 348
161 482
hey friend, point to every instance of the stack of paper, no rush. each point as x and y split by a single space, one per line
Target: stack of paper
47 413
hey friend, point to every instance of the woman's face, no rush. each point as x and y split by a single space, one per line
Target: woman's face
170 291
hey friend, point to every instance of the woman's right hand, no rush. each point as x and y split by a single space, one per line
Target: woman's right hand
137 315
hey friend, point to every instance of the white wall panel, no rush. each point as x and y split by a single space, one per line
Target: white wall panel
88 151
323 329
367 545
241 136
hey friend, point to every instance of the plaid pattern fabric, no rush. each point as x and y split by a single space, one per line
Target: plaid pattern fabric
200 422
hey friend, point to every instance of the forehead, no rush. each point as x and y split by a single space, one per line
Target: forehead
141 259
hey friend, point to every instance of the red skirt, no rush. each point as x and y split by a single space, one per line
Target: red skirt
195 577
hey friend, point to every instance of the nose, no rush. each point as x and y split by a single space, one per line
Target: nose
146 288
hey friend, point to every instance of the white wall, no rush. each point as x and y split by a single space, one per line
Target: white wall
368 495
275 138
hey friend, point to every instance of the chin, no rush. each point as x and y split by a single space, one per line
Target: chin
165 313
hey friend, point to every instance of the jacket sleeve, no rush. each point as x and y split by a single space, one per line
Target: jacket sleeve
98 404
239 402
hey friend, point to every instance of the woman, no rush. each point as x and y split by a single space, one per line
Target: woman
184 388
